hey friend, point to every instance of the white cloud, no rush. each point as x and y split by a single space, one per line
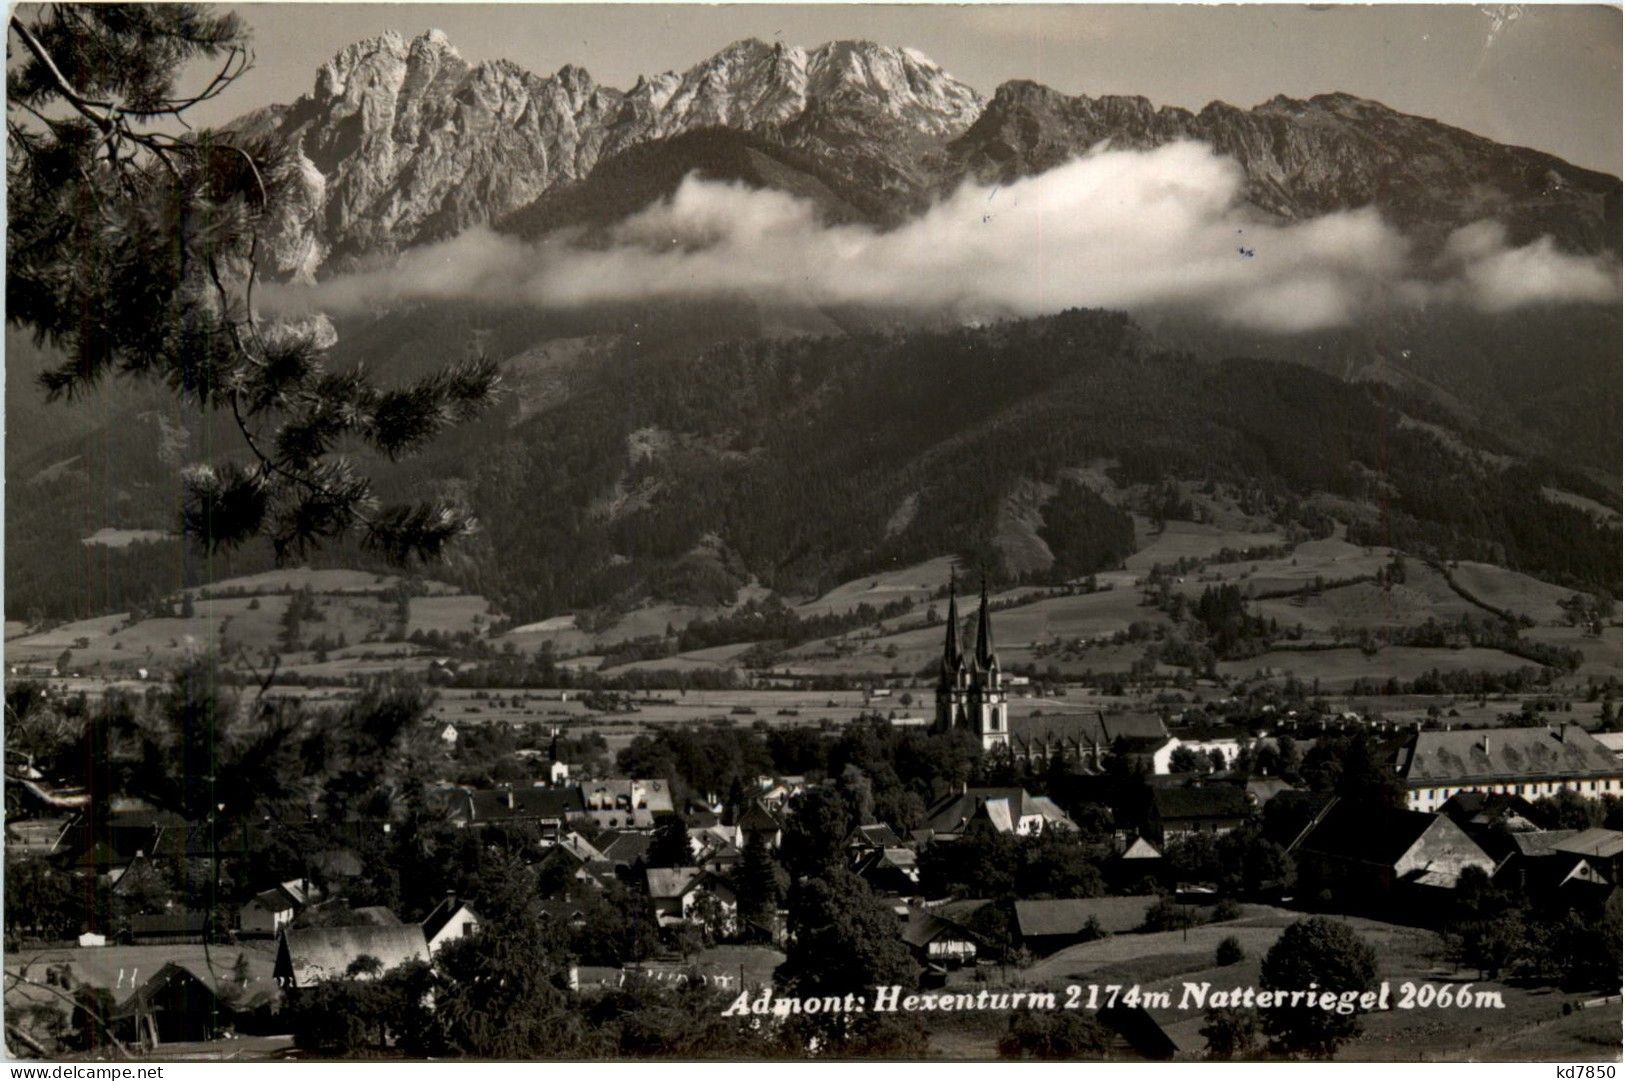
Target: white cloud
1497 278
1113 228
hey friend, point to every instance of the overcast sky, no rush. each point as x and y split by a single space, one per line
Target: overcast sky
1531 75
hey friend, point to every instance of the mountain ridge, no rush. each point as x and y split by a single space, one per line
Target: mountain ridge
402 143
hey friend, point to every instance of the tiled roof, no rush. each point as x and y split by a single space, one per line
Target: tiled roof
325 953
671 881
1088 729
627 848
616 792
272 900
1002 806
377 915
442 914
1115 915
1201 801
513 804
1366 834
878 835
1592 842
1539 842
757 817
924 927
1504 754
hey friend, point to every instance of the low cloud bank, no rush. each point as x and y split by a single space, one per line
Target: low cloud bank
1115 228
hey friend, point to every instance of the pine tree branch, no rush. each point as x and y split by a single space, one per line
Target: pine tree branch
85 106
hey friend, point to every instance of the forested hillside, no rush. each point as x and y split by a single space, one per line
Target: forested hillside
806 462
681 472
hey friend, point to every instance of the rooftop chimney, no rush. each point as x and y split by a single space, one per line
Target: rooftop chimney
1485 743
510 799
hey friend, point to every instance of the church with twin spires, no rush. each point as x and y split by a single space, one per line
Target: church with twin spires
970 693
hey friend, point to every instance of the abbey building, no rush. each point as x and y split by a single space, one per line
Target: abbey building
970 693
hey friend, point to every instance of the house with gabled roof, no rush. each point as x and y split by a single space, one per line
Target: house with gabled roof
1179 810
1367 855
307 955
1004 810
1049 925
628 848
874 835
676 892
448 921
544 807
937 940
266 913
892 870
185 1002
1596 858
758 820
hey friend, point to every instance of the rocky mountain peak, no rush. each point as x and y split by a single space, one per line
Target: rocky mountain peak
1303 158
403 142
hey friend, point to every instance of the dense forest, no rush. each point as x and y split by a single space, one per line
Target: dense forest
676 470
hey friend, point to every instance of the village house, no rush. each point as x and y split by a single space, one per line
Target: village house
1595 859
266 913
777 792
1050 925
1138 862
1178 810
451 919
578 859
307 955
888 870
757 820
1227 749
549 809
1376 857
936 940
1004 810
184 1002
1531 762
679 895
875 835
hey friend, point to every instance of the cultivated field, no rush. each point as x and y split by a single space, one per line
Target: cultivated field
1337 668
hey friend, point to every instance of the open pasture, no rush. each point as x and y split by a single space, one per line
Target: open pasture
1191 540
916 582
1337 668
1511 591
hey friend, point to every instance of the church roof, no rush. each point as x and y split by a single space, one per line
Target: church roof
1089 729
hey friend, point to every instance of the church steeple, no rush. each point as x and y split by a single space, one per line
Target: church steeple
953 658
986 659
972 697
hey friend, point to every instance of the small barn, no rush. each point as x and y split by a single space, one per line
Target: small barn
183 1002
1047 926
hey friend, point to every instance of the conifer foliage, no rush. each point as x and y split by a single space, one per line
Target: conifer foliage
132 247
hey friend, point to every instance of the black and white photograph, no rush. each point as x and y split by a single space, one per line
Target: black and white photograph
780 533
